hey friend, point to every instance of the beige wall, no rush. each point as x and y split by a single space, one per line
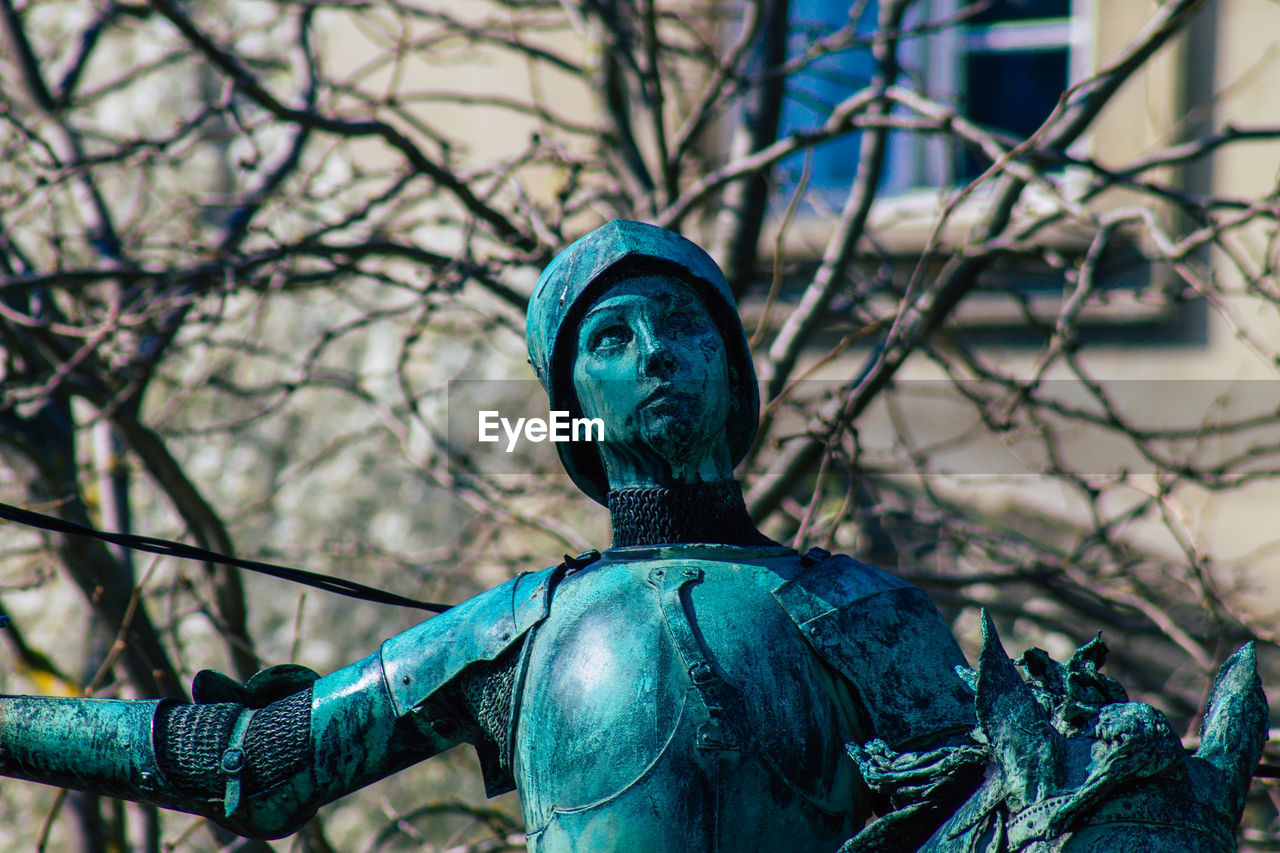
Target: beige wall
434 85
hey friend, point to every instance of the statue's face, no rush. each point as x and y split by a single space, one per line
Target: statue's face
651 364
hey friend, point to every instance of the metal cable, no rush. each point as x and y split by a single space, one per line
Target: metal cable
167 548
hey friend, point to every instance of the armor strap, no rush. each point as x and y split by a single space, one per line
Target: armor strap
718 699
234 760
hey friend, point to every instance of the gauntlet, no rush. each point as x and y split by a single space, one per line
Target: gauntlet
258 758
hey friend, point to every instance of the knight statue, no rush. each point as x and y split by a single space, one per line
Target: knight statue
694 687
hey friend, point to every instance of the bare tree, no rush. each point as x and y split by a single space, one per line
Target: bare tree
244 246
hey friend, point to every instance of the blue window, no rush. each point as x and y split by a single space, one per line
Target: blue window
1016 65
823 83
1004 68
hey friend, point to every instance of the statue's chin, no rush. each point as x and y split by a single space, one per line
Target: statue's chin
678 427
675 439
666 443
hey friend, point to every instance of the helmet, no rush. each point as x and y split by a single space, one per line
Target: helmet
616 251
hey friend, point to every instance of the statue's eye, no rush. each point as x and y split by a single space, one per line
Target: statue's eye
615 335
682 323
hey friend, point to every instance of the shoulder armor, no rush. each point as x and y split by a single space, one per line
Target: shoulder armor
423 659
885 636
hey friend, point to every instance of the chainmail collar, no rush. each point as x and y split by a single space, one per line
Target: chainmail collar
708 513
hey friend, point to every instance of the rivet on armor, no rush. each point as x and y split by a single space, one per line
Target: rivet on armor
233 761
815 555
700 672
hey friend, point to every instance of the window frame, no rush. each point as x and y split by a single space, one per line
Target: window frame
922 162
904 221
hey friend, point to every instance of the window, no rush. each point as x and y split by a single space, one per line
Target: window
1004 66
821 85
1016 62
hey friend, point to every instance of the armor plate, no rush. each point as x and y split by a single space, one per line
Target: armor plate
666 694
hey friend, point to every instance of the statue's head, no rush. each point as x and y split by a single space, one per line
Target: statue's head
635 325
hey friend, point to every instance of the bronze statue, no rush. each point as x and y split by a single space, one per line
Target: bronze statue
694 687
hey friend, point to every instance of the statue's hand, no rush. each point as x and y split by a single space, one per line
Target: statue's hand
1133 740
904 777
925 788
1129 722
1130 742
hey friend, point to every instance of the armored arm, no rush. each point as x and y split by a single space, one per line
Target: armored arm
260 758
259 766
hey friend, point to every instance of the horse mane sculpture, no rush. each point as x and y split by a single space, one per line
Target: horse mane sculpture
1075 767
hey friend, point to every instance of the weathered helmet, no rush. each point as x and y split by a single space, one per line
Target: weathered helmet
614 252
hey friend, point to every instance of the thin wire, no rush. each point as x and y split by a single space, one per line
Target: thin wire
167 548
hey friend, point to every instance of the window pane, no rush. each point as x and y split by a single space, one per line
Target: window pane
825 82
1011 63
1013 92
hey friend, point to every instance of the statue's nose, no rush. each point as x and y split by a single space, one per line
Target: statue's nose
657 358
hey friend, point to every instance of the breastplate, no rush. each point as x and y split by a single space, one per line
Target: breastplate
670 704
